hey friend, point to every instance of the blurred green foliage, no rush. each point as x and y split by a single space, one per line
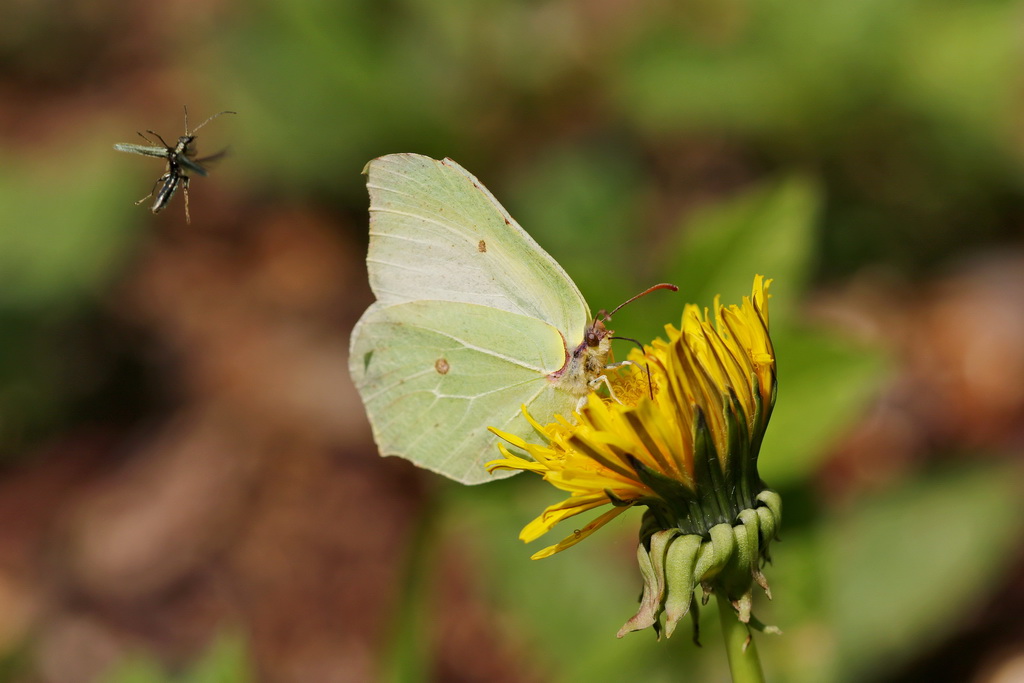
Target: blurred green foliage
907 112
226 661
65 236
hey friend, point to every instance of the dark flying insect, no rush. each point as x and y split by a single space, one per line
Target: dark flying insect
181 162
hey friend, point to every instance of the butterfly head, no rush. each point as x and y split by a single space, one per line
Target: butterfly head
597 334
592 355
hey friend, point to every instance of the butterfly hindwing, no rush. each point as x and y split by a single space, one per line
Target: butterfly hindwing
434 375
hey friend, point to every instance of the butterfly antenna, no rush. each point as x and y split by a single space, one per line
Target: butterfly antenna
647 366
663 285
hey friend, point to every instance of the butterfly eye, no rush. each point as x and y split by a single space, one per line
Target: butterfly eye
595 334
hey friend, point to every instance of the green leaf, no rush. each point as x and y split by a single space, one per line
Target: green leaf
563 612
137 668
909 565
64 231
824 384
226 661
581 206
768 230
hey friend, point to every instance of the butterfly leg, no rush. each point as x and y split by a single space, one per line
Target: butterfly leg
650 388
596 383
602 379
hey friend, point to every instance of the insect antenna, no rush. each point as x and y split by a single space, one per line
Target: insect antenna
204 122
663 285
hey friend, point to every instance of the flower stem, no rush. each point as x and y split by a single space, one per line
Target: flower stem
744 663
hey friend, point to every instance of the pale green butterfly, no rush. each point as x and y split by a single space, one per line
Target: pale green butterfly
473 320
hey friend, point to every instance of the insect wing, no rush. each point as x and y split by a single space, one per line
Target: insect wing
191 166
144 150
434 375
437 233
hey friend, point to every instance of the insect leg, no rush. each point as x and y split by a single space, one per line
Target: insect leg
184 189
148 140
602 379
158 181
650 387
162 141
596 383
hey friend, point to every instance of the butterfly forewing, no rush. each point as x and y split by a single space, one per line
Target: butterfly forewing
437 233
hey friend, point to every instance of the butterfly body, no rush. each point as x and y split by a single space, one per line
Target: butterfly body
586 361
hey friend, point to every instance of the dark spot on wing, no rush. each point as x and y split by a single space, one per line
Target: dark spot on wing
481 246
366 360
507 221
442 367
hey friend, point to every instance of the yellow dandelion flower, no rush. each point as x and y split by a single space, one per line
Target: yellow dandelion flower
679 433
